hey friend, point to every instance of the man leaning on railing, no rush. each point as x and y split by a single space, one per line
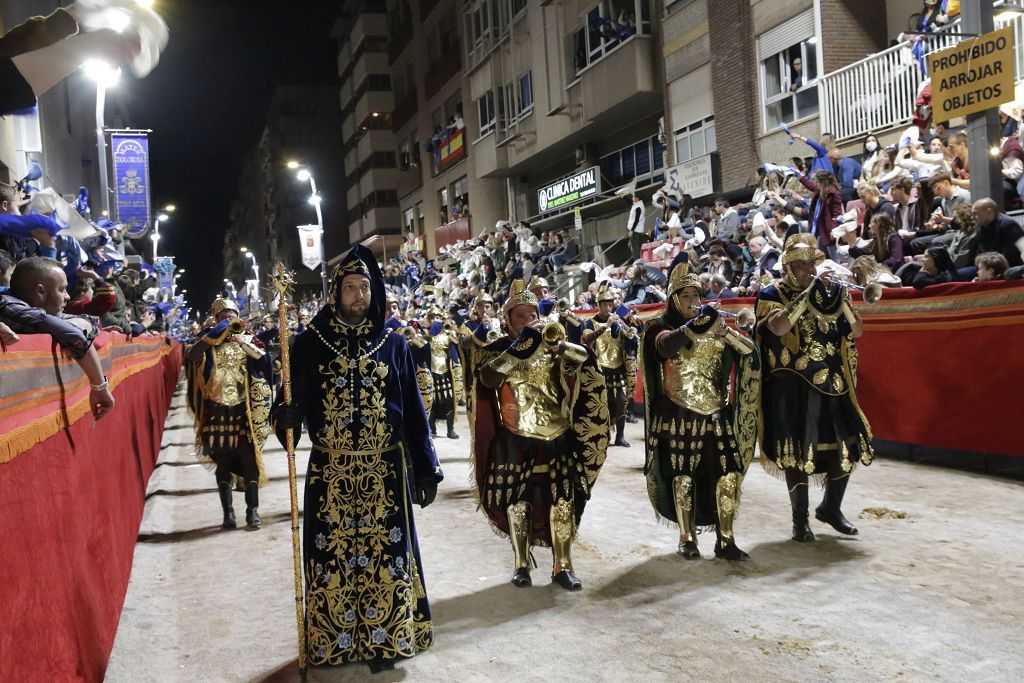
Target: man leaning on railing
34 305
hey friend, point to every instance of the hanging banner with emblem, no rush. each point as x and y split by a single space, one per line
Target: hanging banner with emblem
972 76
164 268
130 162
309 240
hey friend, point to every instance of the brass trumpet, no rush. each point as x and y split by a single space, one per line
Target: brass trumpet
493 334
744 318
553 334
448 327
562 305
236 325
872 292
408 333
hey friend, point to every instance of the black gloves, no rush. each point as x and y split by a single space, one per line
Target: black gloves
426 490
284 417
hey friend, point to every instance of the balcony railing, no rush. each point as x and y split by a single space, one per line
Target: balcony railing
878 92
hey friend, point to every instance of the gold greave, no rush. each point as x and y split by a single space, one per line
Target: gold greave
519 533
686 513
727 497
563 529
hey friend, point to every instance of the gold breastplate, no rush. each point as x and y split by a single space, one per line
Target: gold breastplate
608 351
439 354
227 382
530 400
693 377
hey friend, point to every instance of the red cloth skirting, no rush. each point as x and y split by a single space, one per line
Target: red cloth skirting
71 503
940 367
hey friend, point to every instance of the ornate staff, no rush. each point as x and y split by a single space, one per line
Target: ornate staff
282 281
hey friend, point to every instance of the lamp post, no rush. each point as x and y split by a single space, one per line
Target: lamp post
256 269
105 76
174 282
156 232
304 175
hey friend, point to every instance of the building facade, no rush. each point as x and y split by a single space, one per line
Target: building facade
303 124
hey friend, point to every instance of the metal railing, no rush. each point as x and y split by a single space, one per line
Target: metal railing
878 92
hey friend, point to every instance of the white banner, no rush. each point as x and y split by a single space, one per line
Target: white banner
309 240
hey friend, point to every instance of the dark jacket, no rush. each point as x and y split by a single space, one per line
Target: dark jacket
25 319
1001 235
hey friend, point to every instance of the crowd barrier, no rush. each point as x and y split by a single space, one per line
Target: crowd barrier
941 372
72 491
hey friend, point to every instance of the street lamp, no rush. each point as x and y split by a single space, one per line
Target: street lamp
105 76
156 231
303 176
256 269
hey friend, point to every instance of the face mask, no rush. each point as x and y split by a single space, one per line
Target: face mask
871 146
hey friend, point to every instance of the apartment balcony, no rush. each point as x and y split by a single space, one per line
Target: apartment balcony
374 102
877 94
622 87
378 220
405 109
373 141
372 22
450 233
442 70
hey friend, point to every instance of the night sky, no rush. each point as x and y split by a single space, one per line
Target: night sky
206 103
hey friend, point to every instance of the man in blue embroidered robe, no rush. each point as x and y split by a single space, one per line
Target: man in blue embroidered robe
355 388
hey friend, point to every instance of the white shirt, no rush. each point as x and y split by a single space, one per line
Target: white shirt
635 223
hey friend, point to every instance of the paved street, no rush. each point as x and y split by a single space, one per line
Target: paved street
930 590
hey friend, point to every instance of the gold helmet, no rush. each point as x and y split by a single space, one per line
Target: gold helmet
536 282
221 304
800 247
605 293
680 277
519 295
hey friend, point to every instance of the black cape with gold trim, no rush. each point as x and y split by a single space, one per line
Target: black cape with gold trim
740 382
585 396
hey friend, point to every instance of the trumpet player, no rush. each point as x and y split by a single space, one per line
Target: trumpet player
481 329
701 386
230 399
539 437
813 424
445 370
615 345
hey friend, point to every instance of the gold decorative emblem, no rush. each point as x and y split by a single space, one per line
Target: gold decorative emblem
820 376
816 352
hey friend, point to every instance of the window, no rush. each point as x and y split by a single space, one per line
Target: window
696 140
607 26
518 7
486 112
409 220
526 92
442 198
640 161
789 71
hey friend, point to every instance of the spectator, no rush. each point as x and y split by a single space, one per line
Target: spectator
959 167
997 232
565 253
885 244
764 259
34 305
991 266
635 227
1011 158
848 172
727 225
925 165
936 270
822 161
6 269
870 159
718 288
950 197
875 203
888 170
905 204
719 263
825 209
964 246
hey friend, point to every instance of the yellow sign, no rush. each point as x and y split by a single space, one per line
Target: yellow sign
972 76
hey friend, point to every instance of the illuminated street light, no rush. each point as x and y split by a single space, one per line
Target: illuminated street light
292 164
304 175
314 199
170 208
105 76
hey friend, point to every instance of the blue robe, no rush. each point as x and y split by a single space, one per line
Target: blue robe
365 591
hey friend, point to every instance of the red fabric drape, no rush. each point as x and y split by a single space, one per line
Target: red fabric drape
70 509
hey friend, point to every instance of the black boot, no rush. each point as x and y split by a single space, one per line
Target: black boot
567 580
433 429
224 488
829 510
801 528
451 426
620 439
521 577
378 665
252 502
